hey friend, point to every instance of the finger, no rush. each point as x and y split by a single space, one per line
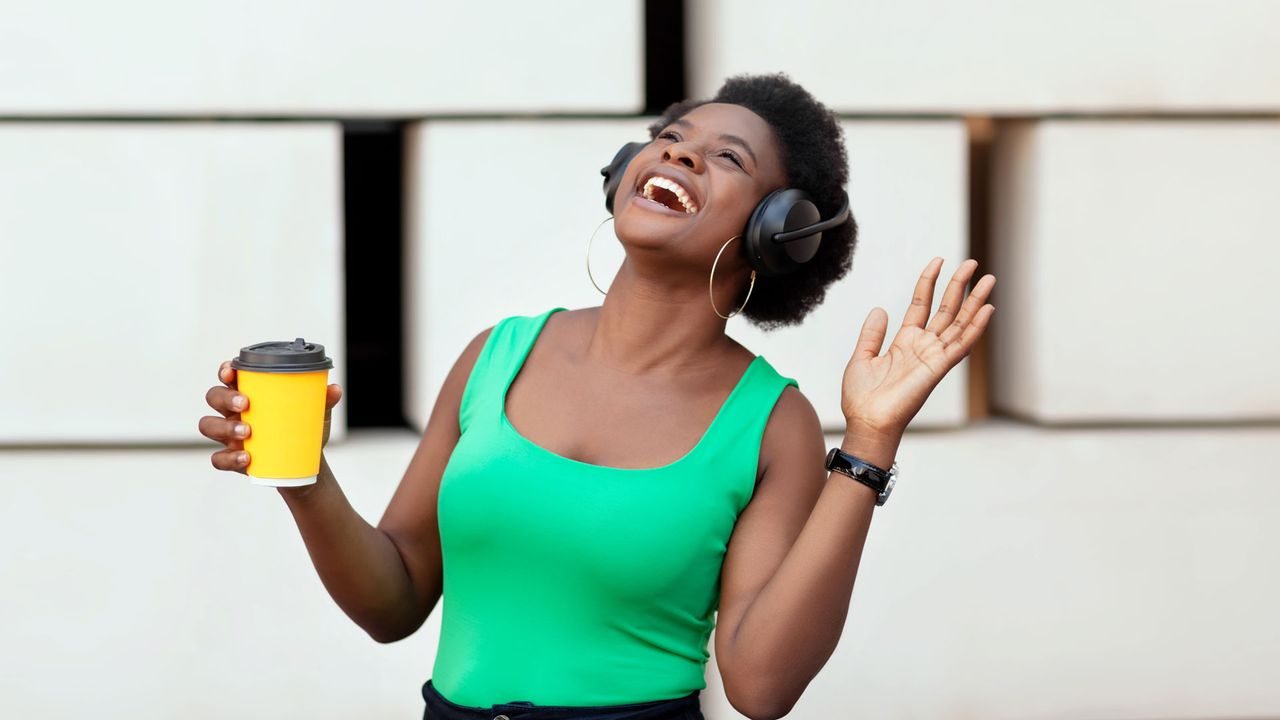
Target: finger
956 351
332 395
230 460
227 374
222 429
226 400
871 339
952 297
971 305
922 298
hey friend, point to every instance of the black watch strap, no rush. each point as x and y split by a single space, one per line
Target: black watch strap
874 477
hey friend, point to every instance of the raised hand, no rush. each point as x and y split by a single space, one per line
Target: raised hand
882 393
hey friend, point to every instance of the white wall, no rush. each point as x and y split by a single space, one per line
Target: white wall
1136 259
139 256
319 57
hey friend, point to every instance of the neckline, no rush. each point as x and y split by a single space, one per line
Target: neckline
702 440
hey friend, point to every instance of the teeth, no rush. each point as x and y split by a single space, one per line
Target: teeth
674 187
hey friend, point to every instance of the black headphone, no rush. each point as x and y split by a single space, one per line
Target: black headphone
784 230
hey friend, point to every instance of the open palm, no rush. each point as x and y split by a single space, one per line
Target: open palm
884 392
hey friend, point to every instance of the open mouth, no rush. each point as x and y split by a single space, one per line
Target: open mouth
668 194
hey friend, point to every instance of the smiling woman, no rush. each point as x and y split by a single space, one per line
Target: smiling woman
598 488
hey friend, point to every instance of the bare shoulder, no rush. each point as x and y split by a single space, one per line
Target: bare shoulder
793 433
467 358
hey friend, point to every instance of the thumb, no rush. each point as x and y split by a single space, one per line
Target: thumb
871 339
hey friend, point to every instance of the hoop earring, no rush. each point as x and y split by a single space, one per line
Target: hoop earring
589 241
712 282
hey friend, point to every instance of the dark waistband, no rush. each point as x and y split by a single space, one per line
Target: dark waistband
438 707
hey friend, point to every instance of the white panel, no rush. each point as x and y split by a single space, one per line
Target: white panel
1015 589
333 57
907 192
138 257
998 55
1135 259
500 215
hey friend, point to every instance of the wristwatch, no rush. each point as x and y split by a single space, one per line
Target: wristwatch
876 478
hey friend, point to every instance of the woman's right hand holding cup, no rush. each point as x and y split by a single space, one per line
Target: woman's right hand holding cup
231 430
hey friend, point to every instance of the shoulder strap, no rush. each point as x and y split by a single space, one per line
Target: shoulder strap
741 426
503 353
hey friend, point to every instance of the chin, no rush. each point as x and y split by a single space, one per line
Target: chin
640 229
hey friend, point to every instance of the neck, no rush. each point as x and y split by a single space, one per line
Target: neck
654 319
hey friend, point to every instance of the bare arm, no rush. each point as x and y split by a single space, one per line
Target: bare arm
387 578
794 562
789 572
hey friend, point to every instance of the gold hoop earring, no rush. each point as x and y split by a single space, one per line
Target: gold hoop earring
712 282
591 240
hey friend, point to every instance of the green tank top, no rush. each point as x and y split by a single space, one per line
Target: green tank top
567 583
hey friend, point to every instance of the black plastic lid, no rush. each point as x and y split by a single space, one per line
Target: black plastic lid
282 356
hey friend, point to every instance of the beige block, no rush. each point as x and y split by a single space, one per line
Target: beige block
998 56
320 57
139 256
1133 259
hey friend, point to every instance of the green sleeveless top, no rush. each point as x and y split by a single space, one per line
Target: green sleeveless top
567 583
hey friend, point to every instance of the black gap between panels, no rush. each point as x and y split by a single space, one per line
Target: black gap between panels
664 65
373 189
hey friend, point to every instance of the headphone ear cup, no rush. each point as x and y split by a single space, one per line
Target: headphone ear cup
614 170
780 211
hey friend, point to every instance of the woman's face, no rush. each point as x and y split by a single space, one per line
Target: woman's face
694 186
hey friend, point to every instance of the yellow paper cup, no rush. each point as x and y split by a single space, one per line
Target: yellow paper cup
286 384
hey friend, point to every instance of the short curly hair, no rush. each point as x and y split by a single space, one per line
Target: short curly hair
815 161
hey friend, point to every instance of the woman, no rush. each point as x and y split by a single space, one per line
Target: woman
594 484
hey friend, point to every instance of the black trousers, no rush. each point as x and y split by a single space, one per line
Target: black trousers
683 708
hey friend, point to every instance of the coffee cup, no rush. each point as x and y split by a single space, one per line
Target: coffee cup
286 383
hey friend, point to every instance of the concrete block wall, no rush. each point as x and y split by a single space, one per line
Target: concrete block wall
1057 561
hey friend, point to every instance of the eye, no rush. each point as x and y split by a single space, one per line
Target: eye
733 156
669 134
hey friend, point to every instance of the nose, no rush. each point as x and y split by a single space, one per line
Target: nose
681 153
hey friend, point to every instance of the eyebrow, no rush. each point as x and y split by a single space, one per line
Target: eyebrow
724 136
